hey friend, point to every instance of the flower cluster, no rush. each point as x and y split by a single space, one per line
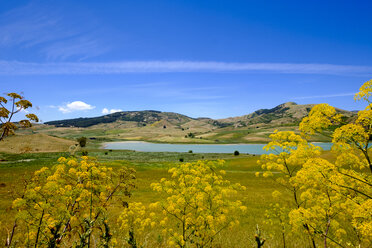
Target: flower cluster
70 200
332 199
199 204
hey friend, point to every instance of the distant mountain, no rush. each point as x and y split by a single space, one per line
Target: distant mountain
286 113
141 117
289 112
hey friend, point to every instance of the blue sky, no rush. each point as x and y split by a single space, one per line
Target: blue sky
200 58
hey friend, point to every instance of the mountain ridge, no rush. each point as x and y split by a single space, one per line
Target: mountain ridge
285 113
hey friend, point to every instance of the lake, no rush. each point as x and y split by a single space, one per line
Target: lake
196 148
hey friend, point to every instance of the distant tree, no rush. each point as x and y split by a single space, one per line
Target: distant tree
236 153
191 135
8 108
82 141
190 151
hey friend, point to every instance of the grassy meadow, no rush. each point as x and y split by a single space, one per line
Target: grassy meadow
202 134
151 167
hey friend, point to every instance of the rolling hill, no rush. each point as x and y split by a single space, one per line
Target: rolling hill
141 117
285 113
156 126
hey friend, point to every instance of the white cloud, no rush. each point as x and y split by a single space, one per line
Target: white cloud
80 68
106 111
75 106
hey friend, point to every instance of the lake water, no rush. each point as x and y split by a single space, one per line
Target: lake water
196 148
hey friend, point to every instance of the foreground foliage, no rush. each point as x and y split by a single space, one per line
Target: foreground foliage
332 201
199 203
8 108
69 204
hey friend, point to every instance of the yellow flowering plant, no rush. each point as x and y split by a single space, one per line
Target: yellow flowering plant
332 199
10 106
134 221
289 152
69 202
199 204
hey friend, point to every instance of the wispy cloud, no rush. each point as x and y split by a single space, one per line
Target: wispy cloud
50 32
324 96
81 46
22 68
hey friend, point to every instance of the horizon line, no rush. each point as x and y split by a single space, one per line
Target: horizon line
199 117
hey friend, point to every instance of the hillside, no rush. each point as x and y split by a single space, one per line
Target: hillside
156 126
141 117
34 143
285 113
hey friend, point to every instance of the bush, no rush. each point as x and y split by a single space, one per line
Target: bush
181 159
188 206
82 141
69 201
190 151
191 135
236 153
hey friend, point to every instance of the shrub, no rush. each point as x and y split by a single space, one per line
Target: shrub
331 198
236 153
199 204
191 135
69 201
82 141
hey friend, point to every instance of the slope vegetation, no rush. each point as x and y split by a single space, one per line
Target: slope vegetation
170 127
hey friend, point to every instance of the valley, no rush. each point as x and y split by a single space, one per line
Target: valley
165 127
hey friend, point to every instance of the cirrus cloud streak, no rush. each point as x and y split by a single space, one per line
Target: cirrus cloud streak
25 68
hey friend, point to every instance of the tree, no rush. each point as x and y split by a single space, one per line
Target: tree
8 108
82 141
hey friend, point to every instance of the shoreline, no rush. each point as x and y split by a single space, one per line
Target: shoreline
143 146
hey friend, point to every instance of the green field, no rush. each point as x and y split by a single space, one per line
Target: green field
171 134
151 167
